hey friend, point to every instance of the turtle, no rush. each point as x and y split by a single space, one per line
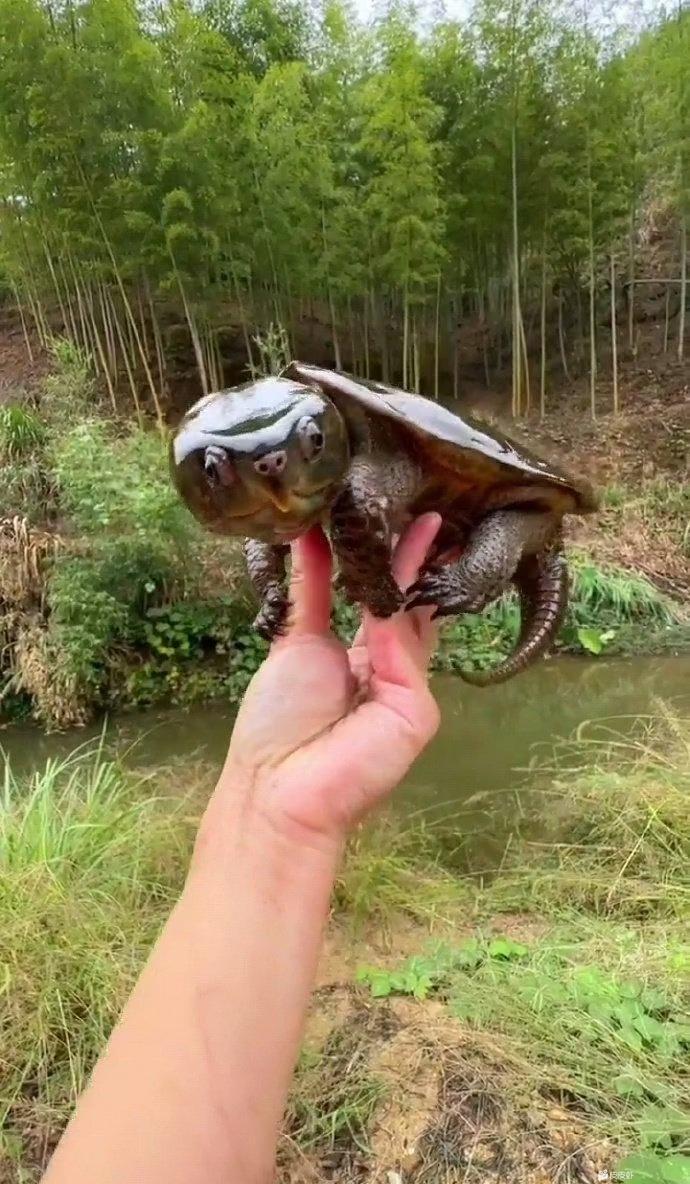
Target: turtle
272 457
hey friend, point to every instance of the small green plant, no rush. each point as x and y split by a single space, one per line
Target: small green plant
21 432
594 641
69 392
646 1168
274 350
421 975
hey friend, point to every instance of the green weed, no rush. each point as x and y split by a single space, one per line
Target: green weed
91 860
616 1042
21 432
334 1096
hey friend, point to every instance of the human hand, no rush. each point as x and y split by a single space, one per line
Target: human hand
324 733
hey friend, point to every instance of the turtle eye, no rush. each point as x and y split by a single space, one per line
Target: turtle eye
311 437
218 467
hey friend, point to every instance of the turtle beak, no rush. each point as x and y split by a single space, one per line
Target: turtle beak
279 496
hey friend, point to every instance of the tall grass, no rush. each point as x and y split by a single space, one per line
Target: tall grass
91 860
21 431
625 596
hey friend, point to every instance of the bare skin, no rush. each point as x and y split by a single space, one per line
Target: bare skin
192 1084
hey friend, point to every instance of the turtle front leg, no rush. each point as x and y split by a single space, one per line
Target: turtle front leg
266 568
487 565
361 538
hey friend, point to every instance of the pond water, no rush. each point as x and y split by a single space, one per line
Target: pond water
487 737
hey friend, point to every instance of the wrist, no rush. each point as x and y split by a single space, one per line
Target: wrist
244 824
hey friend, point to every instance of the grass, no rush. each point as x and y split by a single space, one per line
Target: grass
91 860
587 993
561 980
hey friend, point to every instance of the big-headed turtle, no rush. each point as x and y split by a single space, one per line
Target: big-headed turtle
273 457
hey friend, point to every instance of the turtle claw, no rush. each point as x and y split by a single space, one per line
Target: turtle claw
447 594
271 621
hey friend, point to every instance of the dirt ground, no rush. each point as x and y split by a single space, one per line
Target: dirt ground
407 1094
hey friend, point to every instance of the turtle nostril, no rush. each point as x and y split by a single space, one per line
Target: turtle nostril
271 464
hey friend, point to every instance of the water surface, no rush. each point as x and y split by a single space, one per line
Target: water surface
486 734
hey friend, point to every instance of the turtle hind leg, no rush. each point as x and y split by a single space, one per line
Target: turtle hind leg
266 568
542 583
509 546
487 565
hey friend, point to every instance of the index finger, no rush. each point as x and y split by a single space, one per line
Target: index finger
310 583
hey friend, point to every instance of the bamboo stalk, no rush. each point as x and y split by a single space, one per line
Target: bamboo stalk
107 328
436 335
683 284
125 357
631 278
125 301
77 334
157 336
561 337
406 336
525 362
191 324
27 340
329 288
100 351
614 339
542 333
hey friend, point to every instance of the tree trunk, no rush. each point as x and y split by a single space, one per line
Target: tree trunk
58 294
542 333
108 328
436 334
193 329
331 302
379 311
683 285
142 320
406 337
525 359
666 317
561 338
125 356
77 333
351 329
415 357
128 308
592 318
100 349
367 360
631 278
27 339
157 337
453 337
614 337
517 314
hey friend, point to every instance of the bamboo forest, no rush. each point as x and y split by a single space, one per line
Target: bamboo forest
177 174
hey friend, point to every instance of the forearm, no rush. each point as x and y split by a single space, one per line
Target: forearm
193 1083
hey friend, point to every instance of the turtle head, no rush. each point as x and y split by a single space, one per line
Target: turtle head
265 459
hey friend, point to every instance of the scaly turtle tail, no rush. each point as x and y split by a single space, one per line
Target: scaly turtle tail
542 583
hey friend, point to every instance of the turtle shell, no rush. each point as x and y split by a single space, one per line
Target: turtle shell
451 442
